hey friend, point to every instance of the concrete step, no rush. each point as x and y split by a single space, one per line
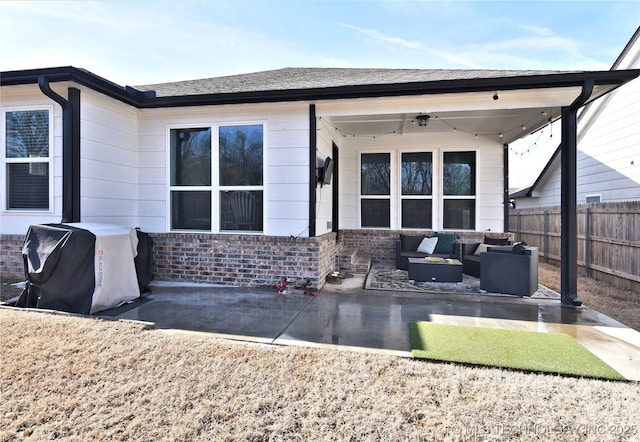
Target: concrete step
362 264
349 260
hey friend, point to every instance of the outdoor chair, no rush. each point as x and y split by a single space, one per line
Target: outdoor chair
243 208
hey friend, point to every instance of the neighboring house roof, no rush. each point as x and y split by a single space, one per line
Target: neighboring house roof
554 162
293 84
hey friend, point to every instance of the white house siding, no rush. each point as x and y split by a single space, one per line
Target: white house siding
547 194
489 206
609 160
286 156
109 160
27 97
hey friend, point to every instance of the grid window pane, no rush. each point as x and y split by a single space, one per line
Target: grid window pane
27 134
28 186
375 213
416 213
241 210
459 173
191 210
375 174
460 214
191 157
241 155
417 173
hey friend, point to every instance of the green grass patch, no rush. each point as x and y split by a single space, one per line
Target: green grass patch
516 349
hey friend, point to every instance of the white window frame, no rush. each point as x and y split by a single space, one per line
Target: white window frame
442 197
215 188
434 187
392 197
396 197
4 161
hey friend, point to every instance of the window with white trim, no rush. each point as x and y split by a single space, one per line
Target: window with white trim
416 190
459 190
27 159
217 183
375 189
407 181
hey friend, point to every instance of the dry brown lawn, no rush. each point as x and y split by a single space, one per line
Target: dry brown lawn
72 378
622 305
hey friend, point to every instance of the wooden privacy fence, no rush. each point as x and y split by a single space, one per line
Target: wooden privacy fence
608 239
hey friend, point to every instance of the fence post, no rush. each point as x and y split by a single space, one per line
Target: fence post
518 227
545 237
587 242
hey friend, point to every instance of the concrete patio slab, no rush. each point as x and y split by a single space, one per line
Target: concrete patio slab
257 313
347 315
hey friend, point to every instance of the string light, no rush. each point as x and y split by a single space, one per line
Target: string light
526 151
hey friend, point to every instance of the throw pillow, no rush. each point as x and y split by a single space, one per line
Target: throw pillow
482 248
428 245
496 241
445 242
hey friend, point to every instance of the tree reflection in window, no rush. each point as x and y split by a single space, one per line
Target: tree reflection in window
417 173
241 155
375 173
459 173
27 134
191 157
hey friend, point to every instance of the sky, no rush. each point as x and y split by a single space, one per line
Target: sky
145 42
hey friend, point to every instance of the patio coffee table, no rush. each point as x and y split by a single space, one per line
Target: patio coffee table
435 269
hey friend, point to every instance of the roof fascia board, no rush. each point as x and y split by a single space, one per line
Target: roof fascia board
126 94
141 99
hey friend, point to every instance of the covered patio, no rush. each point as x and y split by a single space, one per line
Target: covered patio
456 112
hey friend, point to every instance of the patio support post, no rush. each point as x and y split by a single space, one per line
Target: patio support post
70 149
568 200
505 188
312 170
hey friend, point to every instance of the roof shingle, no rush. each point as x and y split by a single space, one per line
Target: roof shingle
314 78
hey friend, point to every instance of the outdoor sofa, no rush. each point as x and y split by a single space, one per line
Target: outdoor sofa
442 245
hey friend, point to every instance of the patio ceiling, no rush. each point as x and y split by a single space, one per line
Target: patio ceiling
487 123
513 115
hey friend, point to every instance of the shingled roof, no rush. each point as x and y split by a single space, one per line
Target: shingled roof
315 78
314 84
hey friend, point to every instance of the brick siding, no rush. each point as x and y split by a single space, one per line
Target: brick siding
11 264
244 260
